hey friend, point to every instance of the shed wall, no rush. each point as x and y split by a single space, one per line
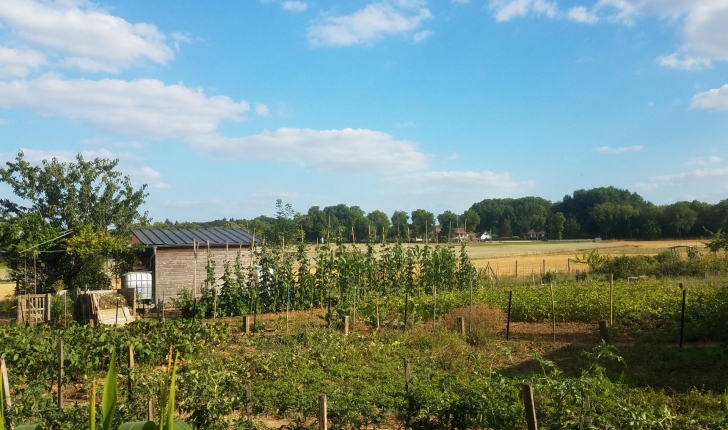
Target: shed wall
174 268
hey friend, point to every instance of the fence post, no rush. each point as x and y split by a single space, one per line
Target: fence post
530 407
568 265
248 399
6 394
47 316
460 322
19 313
346 325
323 421
406 305
544 267
603 331
246 324
682 315
516 268
60 374
508 322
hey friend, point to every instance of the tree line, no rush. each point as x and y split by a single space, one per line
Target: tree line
606 212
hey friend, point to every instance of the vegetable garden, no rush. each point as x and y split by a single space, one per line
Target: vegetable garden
402 306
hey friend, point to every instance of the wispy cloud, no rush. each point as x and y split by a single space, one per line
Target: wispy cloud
262 109
697 175
420 36
370 24
610 150
506 10
676 61
703 161
352 151
294 6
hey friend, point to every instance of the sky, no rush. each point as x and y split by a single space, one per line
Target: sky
223 107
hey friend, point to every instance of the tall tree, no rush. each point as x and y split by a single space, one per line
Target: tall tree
379 222
90 201
448 220
680 218
470 220
422 222
555 223
505 228
400 225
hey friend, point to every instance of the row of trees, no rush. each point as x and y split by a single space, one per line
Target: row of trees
606 212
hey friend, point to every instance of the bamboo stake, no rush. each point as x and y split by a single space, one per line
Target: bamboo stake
611 299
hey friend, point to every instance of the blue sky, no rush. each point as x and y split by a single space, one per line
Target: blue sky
223 107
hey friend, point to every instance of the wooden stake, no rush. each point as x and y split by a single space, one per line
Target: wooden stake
150 409
508 322
516 268
568 265
6 393
611 299
322 418
682 316
531 422
408 391
346 325
553 310
460 323
248 399
603 331
544 266
246 324
130 363
60 374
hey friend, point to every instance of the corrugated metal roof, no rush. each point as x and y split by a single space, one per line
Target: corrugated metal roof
185 236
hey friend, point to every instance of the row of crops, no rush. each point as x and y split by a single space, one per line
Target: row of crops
454 384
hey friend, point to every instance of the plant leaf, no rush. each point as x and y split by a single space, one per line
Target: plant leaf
170 401
108 402
92 406
139 425
181 425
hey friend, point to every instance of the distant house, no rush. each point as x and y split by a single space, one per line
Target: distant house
170 256
459 234
537 235
485 236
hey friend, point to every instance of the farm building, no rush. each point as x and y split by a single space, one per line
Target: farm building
459 234
533 234
169 254
485 236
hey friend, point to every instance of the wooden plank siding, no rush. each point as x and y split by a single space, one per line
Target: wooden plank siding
174 268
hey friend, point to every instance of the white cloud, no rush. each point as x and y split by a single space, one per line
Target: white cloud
367 25
505 10
107 141
694 176
295 6
90 39
148 176
17 63
581 14
36 156
460 184
703 161
675 61
145 107
356 151
422 35
716 98
453 156
262 109
610 150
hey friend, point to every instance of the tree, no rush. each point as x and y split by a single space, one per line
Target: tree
555 223
604 216
470 219
379 221
88 201
505 228
680 218
447 221
400 225
537 222
572 229
422 222
285 228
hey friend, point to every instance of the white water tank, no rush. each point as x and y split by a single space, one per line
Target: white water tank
141 281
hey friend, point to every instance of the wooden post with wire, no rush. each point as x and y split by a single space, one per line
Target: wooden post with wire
130 364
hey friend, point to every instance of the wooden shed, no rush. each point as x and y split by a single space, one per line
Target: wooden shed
178 257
